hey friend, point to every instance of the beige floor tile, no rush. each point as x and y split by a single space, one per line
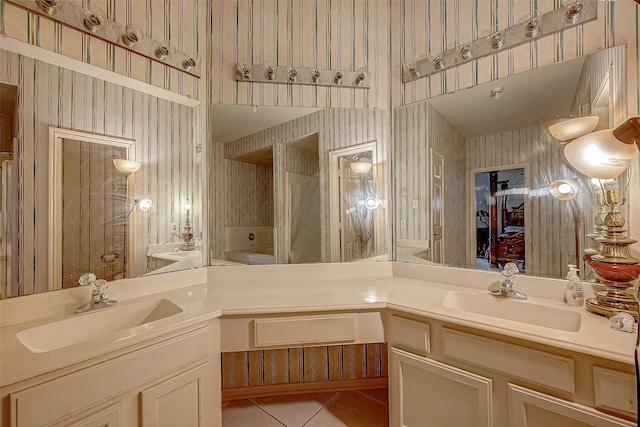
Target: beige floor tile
352 409
242 413
294 410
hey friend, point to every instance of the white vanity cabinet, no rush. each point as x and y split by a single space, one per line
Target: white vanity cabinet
169 381
442 374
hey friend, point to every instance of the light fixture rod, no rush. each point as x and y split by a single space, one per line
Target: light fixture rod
72 15
516 35
257 73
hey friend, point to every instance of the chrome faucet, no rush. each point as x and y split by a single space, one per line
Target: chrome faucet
99 297
506 283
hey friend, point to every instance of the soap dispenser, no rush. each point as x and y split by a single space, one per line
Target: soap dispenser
573 295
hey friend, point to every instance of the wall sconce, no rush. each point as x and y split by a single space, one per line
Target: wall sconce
437 61
143 204
532 26
564 189
132 35
270 72
496 39
165 50
607 153
255 73
315 76
293 74
127 166
360 77
49 6
191 62
573 128
536 26
93 19
412 69
465 51
572 11
361 167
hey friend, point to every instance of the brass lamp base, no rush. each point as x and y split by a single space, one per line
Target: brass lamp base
609 304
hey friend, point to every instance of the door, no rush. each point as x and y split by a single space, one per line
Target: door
179 401
424 389
437 207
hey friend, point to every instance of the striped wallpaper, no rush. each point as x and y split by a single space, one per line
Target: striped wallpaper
163 131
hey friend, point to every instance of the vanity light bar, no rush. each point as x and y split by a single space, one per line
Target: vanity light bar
91 21
539 26
257 73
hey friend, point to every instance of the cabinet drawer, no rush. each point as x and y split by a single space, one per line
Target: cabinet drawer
410 334
538 367
65 396
300 330
614 390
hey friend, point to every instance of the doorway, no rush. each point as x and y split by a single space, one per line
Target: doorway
500 222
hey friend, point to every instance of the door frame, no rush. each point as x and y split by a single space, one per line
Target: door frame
334 186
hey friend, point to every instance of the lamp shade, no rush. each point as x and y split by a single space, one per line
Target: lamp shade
573 128
127 166
600 155
360 167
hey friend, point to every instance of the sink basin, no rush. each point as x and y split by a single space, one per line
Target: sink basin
89 326
515 310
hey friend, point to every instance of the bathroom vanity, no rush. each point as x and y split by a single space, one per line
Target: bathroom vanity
456 354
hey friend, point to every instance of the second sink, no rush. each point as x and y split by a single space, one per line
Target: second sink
515 310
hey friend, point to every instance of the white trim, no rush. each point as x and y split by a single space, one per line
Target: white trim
56 136
38 53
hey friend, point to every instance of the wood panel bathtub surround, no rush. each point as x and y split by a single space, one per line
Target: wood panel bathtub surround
304 365
54 96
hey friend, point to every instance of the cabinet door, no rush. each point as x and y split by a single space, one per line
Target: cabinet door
426 393
533 409
183 400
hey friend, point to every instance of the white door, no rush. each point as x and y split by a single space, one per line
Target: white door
437 207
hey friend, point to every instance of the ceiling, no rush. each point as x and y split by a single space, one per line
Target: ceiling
544 94
231 122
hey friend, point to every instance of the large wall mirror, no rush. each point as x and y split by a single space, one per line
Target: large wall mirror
67 207
273 193
473 168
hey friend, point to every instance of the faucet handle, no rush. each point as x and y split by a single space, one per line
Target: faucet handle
87 279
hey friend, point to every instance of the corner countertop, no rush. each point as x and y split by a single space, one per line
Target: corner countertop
212 292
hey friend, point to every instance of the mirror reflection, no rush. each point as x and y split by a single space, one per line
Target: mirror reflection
291 195
475 168
66 208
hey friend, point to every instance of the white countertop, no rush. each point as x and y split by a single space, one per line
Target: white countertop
207 293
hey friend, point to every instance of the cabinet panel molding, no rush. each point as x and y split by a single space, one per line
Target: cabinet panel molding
529 408
411 334
538 367
179 401
424 389
299 330
614 390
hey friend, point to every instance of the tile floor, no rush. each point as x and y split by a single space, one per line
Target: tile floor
346 408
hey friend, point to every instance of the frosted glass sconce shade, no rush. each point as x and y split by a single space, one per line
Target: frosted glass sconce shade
564 189
600 155
144 204
573 128
127 166
360 167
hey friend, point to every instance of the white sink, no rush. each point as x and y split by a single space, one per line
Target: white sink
93 325
515 310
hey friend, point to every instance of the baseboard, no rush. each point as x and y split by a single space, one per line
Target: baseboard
238 393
